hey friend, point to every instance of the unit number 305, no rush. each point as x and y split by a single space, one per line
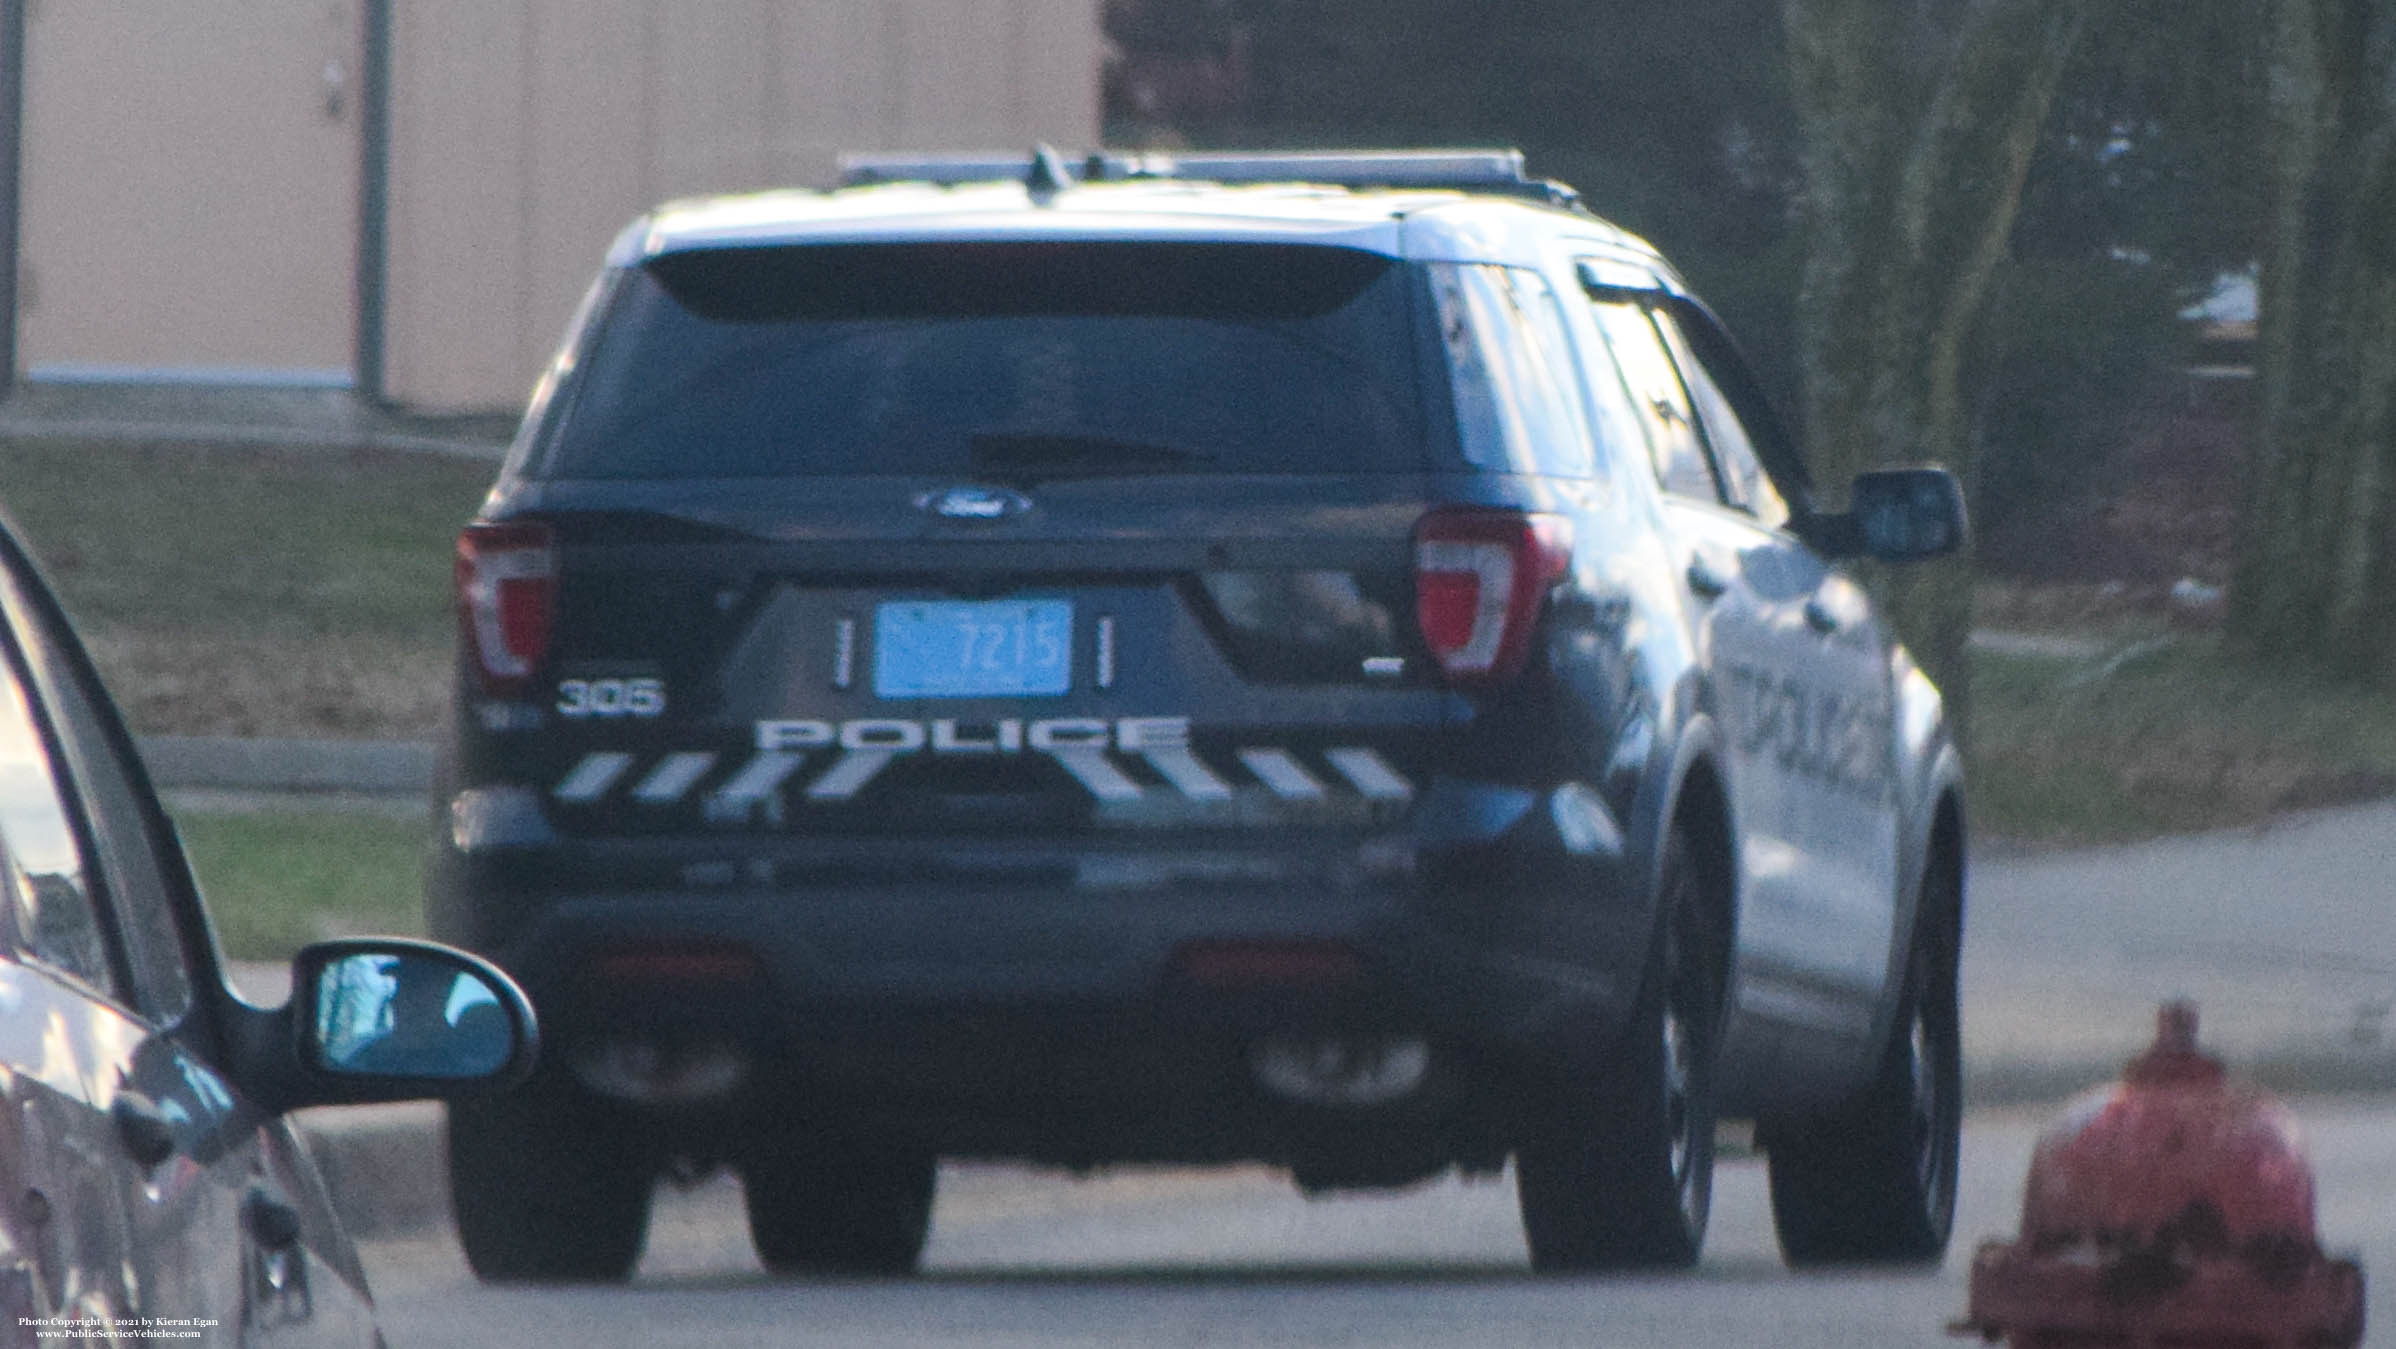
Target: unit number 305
611 697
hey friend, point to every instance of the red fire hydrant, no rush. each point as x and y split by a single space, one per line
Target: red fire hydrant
2171 1211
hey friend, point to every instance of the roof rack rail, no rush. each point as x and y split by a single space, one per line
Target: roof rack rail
1498 172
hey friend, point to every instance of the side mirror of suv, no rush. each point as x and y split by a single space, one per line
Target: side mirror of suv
1895 515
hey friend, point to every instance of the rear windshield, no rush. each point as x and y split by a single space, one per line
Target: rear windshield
1011 362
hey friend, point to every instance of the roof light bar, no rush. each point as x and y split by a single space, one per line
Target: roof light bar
1485 171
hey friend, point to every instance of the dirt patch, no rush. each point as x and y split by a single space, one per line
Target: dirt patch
339 686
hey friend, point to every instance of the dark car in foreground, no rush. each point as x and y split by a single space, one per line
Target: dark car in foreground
1322 659
149 1187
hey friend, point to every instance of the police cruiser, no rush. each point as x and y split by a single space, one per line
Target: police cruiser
1318 659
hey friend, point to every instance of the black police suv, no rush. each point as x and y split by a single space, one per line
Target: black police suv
1322 659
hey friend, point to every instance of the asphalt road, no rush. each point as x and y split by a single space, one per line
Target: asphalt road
1237 1258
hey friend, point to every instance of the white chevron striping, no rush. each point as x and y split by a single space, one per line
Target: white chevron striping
1188 773
592 777
1095 771
854 769
764 774
675 775
758 778
1277 769
1369 773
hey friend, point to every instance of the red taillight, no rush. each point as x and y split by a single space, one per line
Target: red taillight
1480 578
692 963
507 588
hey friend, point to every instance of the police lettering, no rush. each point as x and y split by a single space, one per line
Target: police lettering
950 735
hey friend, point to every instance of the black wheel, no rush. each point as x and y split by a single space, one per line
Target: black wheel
1628 1181
1875 1183
547 1187
816 1207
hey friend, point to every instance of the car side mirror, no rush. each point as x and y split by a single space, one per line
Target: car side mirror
1896 515
388 1019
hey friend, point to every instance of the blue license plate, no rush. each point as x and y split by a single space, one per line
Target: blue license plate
972 648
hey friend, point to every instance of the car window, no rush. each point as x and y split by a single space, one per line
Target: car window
1660 399
1511 365
54 912
1002 361
1744 481
1613 413
139 890
121 836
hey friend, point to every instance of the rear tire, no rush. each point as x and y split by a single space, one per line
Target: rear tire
1627 1183
547 1188
818 1208
1875 1183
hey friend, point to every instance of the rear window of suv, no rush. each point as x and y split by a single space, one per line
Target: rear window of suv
1005 361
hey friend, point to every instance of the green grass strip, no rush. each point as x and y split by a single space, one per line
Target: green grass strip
276 880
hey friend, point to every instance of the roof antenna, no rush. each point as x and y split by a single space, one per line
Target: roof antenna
1048 174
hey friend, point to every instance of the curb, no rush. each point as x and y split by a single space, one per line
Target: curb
373 767
243 414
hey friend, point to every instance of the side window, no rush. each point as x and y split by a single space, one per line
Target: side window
137 884
49 882
1613 411
1744 481
1511 365
1558 408
1660 399
124 847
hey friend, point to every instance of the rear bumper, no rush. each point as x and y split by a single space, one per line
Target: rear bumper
1041 998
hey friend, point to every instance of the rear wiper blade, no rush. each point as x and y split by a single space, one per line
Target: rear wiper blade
1034 456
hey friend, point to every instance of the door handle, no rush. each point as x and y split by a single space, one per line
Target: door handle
277 1269
1819 618
1705 582
1604 611
270 1222
147 1137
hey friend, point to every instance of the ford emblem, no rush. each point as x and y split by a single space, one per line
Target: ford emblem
974 503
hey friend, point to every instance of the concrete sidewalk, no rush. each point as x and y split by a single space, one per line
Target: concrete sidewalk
2285 935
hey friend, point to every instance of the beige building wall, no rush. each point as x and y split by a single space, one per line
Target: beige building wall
526 133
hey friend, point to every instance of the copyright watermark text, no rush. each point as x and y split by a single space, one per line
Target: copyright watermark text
127 1328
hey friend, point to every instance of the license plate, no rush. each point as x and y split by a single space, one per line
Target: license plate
972 648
